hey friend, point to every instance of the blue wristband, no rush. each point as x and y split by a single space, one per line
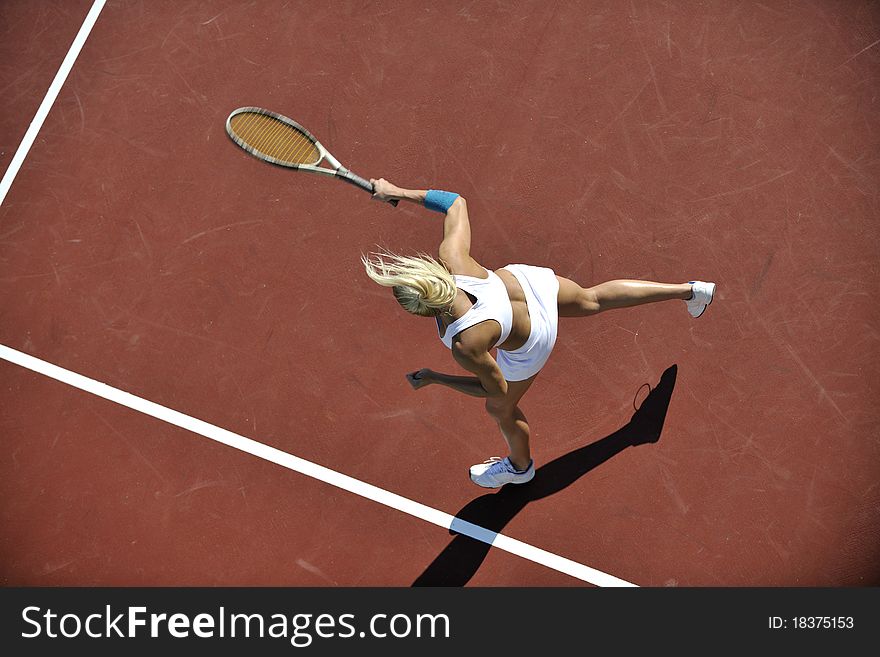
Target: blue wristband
439 201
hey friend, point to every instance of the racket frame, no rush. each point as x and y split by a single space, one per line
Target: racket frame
337 171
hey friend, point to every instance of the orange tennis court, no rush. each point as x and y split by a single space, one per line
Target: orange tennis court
223 299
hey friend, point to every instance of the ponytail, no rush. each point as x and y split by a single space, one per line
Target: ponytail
421 284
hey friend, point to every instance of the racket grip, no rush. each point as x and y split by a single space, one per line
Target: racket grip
357 181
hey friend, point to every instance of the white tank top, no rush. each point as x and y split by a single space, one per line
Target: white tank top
492 303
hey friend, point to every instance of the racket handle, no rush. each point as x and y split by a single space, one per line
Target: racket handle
357 181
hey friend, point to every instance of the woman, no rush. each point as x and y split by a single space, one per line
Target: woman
514 309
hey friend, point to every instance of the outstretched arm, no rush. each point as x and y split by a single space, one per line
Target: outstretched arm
386 191
469 385
456 245
488 382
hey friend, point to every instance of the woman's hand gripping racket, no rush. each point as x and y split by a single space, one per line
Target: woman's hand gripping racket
276 139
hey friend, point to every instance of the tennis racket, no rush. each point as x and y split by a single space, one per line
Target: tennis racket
279 140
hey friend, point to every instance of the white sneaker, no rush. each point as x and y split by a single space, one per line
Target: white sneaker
702 297
496 472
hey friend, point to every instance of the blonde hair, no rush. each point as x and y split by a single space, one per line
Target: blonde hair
422 285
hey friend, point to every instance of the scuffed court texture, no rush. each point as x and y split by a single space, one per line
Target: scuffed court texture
735 142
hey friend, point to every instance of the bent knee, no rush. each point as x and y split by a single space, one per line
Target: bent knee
589 302
498 408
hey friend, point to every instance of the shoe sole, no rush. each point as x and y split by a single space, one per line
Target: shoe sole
502 485
482 486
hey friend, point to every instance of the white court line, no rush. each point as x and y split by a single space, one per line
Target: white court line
51 95
291 462
253 447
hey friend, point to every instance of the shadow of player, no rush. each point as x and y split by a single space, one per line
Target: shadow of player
459 561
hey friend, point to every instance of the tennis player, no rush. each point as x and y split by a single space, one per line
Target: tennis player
514 309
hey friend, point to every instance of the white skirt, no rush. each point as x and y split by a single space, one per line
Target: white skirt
541 288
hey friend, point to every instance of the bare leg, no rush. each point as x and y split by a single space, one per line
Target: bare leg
512 422
515 429
576 301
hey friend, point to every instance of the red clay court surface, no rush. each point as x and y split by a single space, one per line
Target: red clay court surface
727 141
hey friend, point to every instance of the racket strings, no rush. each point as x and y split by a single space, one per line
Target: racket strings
266 135
261 131
275 138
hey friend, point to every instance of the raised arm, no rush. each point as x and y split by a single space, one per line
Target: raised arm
455 247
